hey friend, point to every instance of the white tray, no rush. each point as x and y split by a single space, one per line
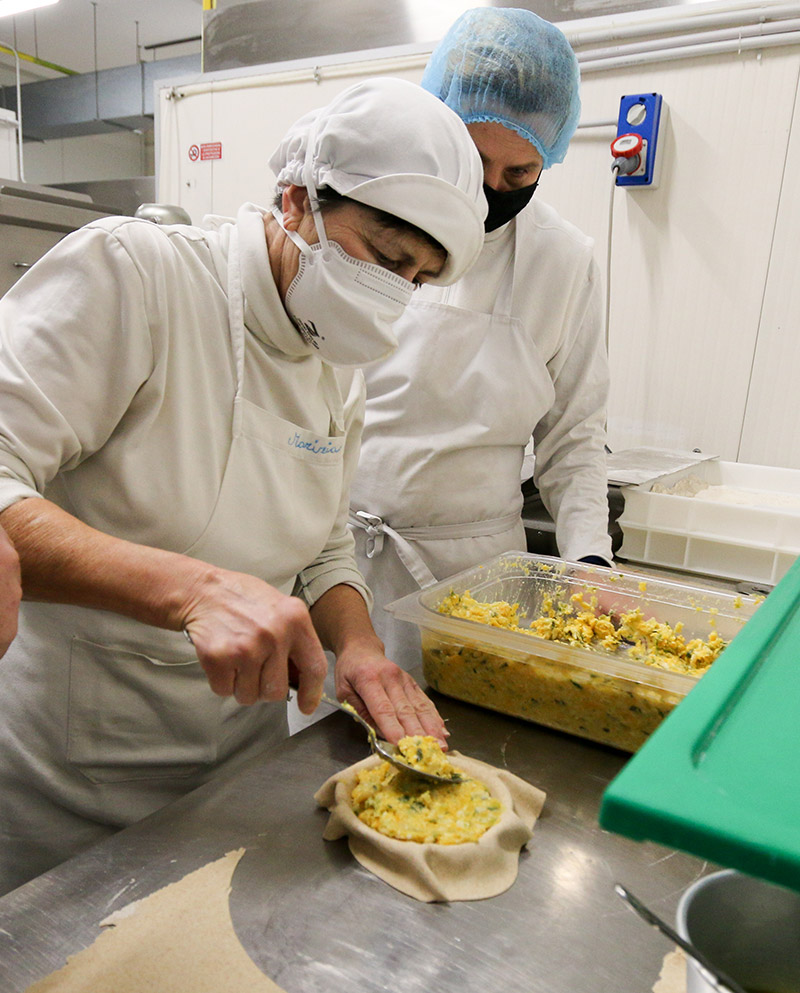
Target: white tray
732 541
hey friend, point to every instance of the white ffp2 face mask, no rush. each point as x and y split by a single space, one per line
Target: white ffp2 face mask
343 306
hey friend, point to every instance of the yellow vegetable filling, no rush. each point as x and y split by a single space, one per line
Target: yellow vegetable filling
617 710
425 753
577 622
404 806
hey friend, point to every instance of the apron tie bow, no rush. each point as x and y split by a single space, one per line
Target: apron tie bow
374 527
405 538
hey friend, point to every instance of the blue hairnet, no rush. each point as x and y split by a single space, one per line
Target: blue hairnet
510 66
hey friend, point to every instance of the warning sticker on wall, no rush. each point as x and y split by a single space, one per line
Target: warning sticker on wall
206 152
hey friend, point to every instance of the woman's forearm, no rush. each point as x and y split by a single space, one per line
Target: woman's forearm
9 592
243 630
379 690
64 560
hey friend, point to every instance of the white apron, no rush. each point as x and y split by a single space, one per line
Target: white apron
103 719
438 482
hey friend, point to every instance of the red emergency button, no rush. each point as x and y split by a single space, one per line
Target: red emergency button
625 146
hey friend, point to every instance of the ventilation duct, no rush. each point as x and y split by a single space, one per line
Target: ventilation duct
95 103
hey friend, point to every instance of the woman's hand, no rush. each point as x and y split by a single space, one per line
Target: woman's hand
247 633
10 591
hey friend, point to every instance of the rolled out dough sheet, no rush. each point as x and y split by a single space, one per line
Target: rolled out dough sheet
673 973
179 939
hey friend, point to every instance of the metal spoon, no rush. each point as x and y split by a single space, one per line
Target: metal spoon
379 747
718 979
387 751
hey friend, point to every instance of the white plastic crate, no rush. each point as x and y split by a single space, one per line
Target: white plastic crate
749 541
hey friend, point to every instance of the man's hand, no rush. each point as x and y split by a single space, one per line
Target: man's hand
614 597
381 692
10 592
247 633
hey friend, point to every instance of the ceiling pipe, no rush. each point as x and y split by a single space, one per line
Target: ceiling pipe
663 21
704 37
693 51
35 60
171 44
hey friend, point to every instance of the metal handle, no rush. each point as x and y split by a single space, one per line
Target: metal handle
22 265
718 979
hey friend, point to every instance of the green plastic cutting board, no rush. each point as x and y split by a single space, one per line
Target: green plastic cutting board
720 778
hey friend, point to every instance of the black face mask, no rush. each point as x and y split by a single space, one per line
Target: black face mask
504 206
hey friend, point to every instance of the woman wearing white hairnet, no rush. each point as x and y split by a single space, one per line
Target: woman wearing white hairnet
514 349
181 417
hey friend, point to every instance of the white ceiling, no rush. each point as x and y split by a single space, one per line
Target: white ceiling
64 34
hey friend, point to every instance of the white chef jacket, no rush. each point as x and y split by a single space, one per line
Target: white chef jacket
125 385
116 377
448 488
558 297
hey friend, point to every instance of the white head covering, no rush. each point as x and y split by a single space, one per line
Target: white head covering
389 144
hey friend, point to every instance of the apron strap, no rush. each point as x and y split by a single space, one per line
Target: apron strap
333 399
236 309
505 294
376 528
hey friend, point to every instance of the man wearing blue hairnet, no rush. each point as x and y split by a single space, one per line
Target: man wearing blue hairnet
511 351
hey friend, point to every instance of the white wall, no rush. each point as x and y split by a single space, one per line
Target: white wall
771 431
705 284
695 262
249 115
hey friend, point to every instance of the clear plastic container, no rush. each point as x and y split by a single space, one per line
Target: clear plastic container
591 691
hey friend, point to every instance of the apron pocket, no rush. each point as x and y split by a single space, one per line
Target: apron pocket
301 443
134 718
278 501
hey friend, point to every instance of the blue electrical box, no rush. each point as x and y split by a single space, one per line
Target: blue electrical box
641 113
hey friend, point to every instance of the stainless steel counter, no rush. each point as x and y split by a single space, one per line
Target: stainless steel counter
317 922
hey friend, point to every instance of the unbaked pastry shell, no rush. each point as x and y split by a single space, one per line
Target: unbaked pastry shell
431 872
